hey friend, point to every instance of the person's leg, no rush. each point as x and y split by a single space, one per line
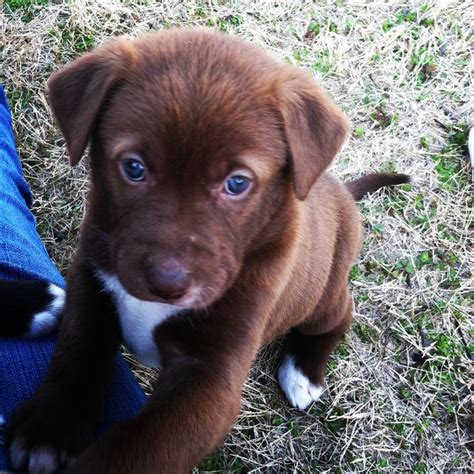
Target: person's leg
23 363
22 254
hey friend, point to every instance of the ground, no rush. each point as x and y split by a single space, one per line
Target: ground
398 395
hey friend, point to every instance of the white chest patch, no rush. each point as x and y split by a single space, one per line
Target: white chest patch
138 320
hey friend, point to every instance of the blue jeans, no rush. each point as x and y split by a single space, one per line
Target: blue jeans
23 363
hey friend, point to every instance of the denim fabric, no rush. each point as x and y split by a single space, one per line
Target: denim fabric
23 363
22 254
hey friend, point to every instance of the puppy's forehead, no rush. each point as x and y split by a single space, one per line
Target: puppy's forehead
196 101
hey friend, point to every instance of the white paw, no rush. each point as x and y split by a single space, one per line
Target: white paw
41 460
48 320
18 453
296 386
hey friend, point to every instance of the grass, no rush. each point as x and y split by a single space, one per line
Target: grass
398 396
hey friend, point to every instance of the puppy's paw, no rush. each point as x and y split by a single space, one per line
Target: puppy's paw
30 308
44 437
47 320
296 386
38 460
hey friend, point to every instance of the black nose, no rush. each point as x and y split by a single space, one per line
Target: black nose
167 278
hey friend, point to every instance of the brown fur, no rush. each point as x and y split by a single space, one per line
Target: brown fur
195 105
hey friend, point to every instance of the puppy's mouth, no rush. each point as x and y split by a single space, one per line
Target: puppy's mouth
193 298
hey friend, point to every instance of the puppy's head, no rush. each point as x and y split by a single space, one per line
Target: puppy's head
200 144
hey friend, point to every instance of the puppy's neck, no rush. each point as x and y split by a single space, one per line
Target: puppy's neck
138 319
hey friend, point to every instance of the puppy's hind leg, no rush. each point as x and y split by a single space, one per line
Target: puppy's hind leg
301 373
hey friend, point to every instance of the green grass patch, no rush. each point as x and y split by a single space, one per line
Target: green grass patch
378 227
321 67
228 22
449 171
201 10
294 428
19 99
409 17
405 15
214 463
404 392
14 5
342 349
422 96
420 468
355 273
424 142
426 63
300 54
365 332
422 426
424 258
446 345
277 421
28 8
382 118
404 266
313 30
72 38
334 423
398 427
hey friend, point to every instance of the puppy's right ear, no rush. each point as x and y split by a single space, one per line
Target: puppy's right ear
77 92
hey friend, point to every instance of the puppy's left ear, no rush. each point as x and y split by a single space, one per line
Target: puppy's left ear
315 130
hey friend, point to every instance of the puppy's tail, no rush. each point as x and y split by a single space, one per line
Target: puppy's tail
373 181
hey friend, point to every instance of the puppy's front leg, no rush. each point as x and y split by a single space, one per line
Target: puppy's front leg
173 432
58 421
194 405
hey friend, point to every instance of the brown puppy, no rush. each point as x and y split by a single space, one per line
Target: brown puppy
211 229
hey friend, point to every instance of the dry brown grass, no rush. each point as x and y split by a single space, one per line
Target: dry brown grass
398 396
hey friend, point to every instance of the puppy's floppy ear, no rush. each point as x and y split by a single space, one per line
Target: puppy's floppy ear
315 129
77 92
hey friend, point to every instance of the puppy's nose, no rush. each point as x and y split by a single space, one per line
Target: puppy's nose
167 278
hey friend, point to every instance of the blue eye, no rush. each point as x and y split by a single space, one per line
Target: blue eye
133 169
236 184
